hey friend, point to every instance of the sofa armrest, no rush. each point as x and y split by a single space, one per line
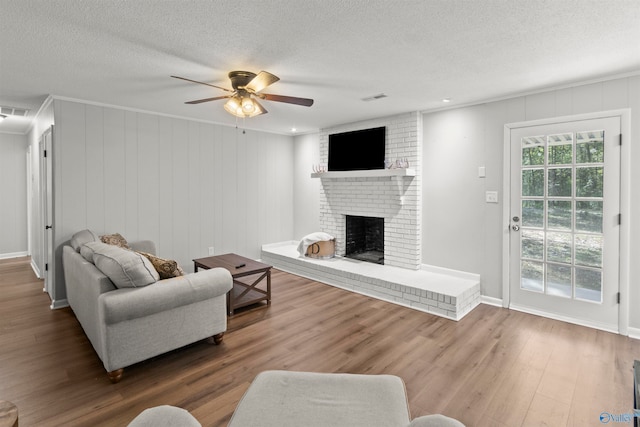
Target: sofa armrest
435 420
147 246
132 303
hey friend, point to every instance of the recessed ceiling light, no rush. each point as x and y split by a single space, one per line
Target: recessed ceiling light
446 99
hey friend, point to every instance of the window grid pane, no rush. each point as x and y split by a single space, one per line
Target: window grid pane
562 179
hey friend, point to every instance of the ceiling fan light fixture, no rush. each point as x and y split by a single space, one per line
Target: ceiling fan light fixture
248 106
234 106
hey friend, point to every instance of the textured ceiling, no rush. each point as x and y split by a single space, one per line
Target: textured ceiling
122 52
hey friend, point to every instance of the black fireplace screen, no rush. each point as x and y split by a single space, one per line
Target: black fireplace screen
365 239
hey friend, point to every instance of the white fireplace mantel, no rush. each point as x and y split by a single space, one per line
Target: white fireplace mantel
372 173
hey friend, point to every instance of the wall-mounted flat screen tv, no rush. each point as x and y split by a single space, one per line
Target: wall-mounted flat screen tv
357 150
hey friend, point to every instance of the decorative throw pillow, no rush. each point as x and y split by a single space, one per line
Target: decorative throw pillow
115 239
166 268
125 268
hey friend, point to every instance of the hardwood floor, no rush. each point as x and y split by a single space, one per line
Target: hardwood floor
495 367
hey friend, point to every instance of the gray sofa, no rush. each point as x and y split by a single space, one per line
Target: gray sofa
127 325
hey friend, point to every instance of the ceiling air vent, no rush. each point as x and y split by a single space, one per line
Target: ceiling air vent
14 111
374 97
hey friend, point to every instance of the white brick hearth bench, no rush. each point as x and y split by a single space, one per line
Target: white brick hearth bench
442 292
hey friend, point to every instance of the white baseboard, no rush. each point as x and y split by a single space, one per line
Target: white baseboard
594 325
36 270
13 255
633 333
496 302
59 303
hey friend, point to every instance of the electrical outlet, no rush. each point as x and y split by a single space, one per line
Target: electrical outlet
210 250
491 197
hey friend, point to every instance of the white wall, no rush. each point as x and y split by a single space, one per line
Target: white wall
186 185
13 195
306 191
463 232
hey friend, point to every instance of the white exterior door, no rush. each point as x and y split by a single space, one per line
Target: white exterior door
564 220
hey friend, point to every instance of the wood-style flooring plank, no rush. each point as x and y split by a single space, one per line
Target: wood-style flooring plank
495 367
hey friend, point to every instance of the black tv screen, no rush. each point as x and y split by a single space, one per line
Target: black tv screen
357 150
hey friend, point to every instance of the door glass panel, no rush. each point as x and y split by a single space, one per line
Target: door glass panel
532 244
533 151
561 149
561 240
531 276
533 182
589 284
560 182
589 250
559 214
559 247
533 213
589 216
590 147
589 182
559 280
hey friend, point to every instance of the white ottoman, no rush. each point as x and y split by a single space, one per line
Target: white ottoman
294 399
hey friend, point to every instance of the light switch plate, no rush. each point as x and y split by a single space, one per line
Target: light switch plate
491 197
482 172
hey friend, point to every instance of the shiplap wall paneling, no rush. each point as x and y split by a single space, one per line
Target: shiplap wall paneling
114 172
207 194
180 190
95 172
148 199
130 162
167 202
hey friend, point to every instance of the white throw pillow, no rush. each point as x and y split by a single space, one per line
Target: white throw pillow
125 268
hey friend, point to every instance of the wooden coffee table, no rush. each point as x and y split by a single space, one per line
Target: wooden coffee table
244 292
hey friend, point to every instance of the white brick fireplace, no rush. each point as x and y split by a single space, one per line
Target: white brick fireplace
396 198
392 194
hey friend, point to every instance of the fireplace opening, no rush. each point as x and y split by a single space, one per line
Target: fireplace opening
365 239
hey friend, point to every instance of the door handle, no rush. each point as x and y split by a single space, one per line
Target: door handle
515 227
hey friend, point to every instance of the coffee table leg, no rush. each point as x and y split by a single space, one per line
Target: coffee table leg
269 287
230 302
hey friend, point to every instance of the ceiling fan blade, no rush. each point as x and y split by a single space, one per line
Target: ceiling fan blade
202 83
288 99
262 80
200 101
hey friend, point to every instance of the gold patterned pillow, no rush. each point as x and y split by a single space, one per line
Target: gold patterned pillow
115 239
166 268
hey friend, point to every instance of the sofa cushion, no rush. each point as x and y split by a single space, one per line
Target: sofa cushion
82 237
115 239
125 268
166 268
87 252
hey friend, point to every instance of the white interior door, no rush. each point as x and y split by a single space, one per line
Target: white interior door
46 190
564 221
